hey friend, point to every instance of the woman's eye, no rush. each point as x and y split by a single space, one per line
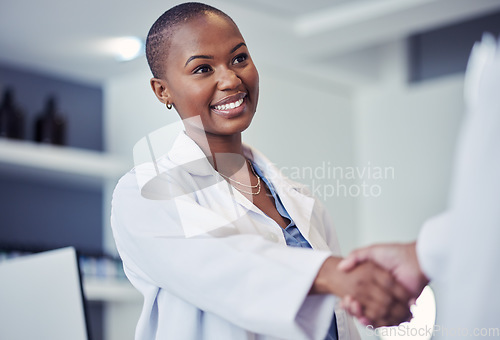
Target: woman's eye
202 69
240 58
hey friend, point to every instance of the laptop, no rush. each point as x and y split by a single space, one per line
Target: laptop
41 297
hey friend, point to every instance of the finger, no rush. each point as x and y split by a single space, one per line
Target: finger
384 308
378 299
384 279
388 308
385 322
389 284
398 314
374 310
352 306
349 305
395 315
356 309
382 323
402 294
365 321
345 302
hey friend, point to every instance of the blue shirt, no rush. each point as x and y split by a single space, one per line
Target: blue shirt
293 238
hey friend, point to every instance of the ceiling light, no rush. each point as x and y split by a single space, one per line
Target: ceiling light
126 48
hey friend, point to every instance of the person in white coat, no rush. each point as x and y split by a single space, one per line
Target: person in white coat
458 250
220 244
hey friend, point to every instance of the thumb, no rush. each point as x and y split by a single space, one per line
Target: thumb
354 258
347 263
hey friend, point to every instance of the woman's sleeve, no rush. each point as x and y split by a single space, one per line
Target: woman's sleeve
246 279
433 244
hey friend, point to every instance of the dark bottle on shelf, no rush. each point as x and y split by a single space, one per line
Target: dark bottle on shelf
11 117
50 126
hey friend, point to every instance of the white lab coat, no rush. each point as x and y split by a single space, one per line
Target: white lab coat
459 250
210 264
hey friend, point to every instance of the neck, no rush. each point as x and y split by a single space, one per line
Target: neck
219 149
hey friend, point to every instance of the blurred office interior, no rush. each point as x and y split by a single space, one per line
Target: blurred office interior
347 88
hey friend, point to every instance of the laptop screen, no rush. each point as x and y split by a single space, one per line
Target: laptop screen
41 297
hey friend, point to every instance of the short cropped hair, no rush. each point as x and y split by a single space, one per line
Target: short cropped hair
160 34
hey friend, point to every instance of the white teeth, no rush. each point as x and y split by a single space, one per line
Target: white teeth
229 106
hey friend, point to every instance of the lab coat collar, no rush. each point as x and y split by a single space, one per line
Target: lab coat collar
187 154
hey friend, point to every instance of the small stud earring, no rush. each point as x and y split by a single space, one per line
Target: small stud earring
169 106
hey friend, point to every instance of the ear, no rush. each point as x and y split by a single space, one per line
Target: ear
161 91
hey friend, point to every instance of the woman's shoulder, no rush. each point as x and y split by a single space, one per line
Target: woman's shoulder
159 180
161 177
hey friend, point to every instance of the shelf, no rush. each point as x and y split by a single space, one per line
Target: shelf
109 290
79 166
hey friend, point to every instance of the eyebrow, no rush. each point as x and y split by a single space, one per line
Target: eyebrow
234 49
238 46
197 57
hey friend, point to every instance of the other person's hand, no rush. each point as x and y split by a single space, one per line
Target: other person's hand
399 259
377 294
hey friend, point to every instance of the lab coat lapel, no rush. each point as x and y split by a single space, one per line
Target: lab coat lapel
298 205
242 200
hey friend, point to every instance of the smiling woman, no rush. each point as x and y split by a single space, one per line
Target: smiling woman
215 65
220 243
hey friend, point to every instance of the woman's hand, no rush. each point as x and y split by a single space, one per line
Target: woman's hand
399 259
380 299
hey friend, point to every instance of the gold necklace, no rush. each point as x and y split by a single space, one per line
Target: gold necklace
258 185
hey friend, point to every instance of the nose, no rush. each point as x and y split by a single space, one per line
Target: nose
227 79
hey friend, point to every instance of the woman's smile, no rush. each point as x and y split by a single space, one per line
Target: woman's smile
230 106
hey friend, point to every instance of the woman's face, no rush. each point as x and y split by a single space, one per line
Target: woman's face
209 73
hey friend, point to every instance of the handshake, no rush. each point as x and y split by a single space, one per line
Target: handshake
377 284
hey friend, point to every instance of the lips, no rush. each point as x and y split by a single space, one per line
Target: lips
230 102
229 106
